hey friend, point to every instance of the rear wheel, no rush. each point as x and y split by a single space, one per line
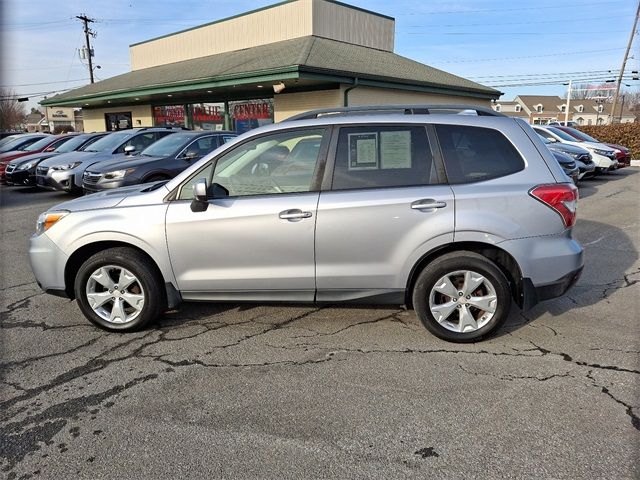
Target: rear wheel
462 297
120 289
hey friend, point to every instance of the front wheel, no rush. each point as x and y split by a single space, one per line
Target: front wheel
120 289
462 297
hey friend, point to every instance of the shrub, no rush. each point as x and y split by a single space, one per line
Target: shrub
625 134
63 129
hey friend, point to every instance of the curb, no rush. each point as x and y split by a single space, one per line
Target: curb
635 163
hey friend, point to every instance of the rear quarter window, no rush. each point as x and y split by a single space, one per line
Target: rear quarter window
474 154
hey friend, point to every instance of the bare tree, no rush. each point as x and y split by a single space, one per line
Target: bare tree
12 113
586 91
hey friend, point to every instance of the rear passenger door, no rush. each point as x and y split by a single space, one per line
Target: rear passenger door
382 206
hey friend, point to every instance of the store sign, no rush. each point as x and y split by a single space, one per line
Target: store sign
246 111
59 114
171 114
208 113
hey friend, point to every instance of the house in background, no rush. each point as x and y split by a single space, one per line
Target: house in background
544 109
36 122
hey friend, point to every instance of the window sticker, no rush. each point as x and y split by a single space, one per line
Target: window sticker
395 149
363 151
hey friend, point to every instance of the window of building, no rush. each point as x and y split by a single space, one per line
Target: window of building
169 116
600 121
580 120
600 108
250 114
539 108
563 108
518 108
383 156
580 108
497 107
472 154
207 116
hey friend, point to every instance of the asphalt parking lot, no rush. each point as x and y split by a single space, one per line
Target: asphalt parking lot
255 391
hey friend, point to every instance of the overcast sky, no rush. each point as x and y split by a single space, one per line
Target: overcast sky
495 42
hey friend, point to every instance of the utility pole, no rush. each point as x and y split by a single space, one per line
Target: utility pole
86 20
624 63
566 113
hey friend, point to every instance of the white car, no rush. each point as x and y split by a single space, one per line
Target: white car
603 156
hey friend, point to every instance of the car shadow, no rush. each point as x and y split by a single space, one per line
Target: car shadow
589 186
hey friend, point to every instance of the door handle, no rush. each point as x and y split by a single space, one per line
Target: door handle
427 203
294 214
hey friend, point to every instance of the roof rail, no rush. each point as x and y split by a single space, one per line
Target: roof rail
402 109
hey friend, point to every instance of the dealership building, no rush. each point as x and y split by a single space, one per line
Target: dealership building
264 66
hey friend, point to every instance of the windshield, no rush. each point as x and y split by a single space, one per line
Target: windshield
110 142
8 139
166 146
583 136
71 144
545 140
562 135
39 145
12 145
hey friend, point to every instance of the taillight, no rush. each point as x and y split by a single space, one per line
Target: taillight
561 197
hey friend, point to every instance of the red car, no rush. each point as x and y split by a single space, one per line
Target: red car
46 144
623 154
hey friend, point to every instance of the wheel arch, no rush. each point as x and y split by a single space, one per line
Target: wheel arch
503 259
80 255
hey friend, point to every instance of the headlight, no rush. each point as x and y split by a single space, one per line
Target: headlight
606 153
25 166
116 174
47 220
67 166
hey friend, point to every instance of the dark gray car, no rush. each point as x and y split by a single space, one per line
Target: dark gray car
162 160
581 157
65 171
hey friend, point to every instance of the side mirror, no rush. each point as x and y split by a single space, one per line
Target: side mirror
552 140
190 155
129 149
49 149
199 203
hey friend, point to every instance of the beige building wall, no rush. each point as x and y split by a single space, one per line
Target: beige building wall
286 105
383 96
94 118
281 22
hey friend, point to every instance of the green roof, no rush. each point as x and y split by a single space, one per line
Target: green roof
306 55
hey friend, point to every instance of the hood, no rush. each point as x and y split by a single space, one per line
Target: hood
70 157
34 157
8 156
120 161
598 146
124 196
567 148
562 158
619 147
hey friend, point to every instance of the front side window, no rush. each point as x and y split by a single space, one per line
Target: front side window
473 154
383 156
272 164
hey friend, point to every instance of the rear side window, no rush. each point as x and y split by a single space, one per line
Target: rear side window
383 156
473 154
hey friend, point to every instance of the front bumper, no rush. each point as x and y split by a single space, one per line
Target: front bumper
21 177
57 180
100 186
47 262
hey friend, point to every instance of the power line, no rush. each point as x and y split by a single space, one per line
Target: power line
484 24
548 7
543 74
529 56
47 83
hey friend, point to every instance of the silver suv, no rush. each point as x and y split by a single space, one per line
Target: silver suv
453 210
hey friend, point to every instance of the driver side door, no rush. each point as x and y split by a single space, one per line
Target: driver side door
257 243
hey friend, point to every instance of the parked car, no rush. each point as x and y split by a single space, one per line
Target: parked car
623 154
162 160
563 123
65 172
17 142
22 171
580 156
568 164
46 144
603 156
453 214
8 136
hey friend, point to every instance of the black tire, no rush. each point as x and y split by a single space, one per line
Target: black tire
147 275
453 262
